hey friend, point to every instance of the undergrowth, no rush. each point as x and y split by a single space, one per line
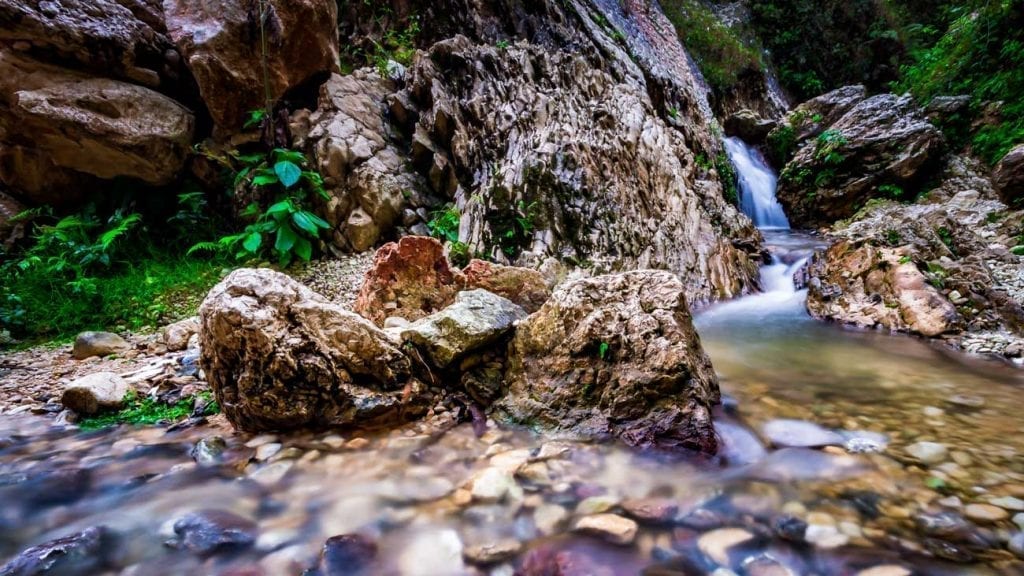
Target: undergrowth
146 411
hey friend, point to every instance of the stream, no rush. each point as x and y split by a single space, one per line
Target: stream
843 453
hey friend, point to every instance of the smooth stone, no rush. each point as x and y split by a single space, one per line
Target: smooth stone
1008 503
88 344
493 485
95 393
985 513
209 451
738 446
1016 544
826 537
928 452
765 565
596 505
494 552
79 554
942 525
433 553
716 543
609 527
208 531
348 554
933 412
1018 519
786 433
885 570
651 510
266 451
549 517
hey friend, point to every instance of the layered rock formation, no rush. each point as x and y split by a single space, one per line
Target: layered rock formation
882 142
582 163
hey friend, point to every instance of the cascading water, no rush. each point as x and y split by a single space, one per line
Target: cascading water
757 184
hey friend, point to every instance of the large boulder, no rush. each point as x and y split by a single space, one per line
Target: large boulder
279 356
221 43
95 393
11 228
871 286
527 288
95 126
614 356
122 39
1008 177
882 147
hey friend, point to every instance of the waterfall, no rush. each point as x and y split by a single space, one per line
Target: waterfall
756 182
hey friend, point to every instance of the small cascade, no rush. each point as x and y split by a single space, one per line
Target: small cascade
757 184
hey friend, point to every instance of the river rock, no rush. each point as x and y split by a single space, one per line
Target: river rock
410 279
749 126
928 452
871 286
799 434
882 140
348 555
81 554
493 552
1016 545
716 543
614 355
208 531
279 356
94 126
1008 176
95 393
476 320
493 485
985 513
610 527
220 43
176 336
88 344
433 553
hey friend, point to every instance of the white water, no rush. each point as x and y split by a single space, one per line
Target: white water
757 183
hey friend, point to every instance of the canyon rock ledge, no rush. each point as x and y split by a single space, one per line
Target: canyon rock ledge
279 356
614 356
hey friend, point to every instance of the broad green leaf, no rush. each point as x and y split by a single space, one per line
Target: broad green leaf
286 238
285 155
282 206
288 172
265 180
250 211
304 249
309 223
252 242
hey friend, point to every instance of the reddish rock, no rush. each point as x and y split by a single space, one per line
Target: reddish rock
410 279
1008 176
524 286
221 46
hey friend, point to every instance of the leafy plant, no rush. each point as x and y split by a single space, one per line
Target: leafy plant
945 236
287 228
892 237
722 56
828 146
602 350
891 191
444 224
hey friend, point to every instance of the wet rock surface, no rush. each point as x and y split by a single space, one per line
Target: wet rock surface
1008 177
616 356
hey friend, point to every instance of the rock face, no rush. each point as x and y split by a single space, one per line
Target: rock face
279 356
749 126
221 44
95 392
614 355
881 141
592 161
476 320
412 279
942 265
1008 177
79 554
85 125
878 287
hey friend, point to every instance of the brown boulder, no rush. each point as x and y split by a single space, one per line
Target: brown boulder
279 356
871 286
10 232
97 126
221 41
614 356
1008 177
115 38
524 286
